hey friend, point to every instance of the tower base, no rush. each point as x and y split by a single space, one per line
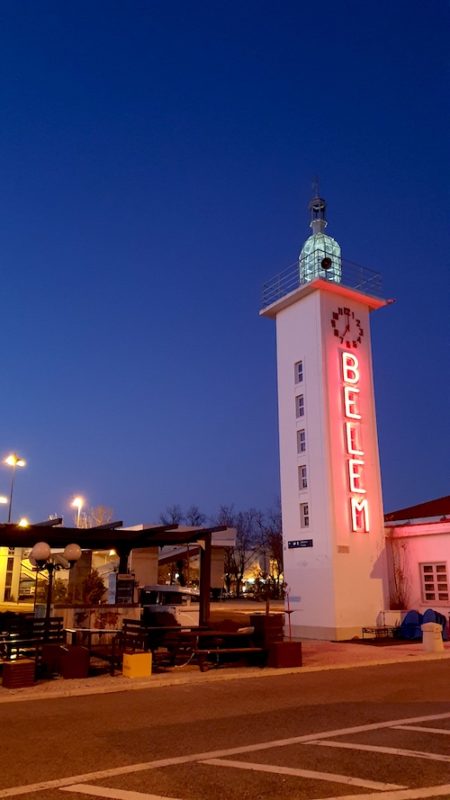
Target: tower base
324 633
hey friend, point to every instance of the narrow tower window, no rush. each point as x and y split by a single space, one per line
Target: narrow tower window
300 406
301 441
304 515
298 372
302 477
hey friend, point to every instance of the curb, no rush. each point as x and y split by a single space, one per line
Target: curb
122 684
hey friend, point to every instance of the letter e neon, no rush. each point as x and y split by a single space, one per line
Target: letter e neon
355 466
350 402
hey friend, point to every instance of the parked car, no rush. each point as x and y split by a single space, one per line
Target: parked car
179 602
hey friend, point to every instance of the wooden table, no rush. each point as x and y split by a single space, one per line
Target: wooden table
83 636
102 649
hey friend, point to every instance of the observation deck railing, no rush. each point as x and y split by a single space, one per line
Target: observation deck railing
354 276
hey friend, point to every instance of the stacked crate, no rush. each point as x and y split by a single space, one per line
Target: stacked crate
17 674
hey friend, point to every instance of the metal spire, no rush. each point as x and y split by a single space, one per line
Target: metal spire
317 206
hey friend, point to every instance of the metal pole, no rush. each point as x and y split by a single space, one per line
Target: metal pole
50 567
35 591
205 580
11 493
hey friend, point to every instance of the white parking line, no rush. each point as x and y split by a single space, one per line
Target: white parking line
57 783
303 773
393 751
421 729
112 794
403 794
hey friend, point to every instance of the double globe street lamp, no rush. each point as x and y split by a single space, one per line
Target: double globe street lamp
42 558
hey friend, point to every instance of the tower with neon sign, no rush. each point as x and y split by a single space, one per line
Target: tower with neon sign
333 526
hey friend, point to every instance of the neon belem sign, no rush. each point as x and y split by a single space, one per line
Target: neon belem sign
359 506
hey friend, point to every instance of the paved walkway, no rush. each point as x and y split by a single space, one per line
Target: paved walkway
317 655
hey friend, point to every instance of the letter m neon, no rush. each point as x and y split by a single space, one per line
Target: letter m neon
360 515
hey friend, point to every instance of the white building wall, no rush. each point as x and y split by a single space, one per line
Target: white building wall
308 571
337 585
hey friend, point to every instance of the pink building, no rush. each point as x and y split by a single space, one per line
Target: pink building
418 550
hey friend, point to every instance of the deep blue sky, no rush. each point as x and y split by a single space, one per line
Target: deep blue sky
156 161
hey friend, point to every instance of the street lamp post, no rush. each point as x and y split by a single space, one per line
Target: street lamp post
3 500
78 503
42 557
14 461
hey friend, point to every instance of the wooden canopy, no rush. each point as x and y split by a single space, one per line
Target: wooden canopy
117 538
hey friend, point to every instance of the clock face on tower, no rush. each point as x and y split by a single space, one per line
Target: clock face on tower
347 327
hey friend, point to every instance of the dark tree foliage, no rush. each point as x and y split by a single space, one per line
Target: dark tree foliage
173 515
258 540
194 516
271 544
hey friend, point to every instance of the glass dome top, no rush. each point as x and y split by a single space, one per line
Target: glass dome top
320 256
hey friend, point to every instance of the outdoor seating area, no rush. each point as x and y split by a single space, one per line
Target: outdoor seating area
55 651
24 636
173 646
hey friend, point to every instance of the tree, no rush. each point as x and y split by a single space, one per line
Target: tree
226 517
194 516
271 544
239 557
93 589
173 515
258 539
97 515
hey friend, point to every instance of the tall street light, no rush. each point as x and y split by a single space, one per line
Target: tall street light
42 558
3 500
78 503
14 461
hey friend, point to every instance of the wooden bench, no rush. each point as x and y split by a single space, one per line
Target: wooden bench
219 644
203 654
28 639
177 646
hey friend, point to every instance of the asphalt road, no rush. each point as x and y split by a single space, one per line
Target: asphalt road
107 745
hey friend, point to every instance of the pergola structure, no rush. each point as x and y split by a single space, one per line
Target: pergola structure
123 541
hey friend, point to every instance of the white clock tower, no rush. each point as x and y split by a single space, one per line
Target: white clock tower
333 527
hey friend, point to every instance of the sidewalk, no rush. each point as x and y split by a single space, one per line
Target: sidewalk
317 656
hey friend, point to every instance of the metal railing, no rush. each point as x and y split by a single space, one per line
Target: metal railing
354 276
